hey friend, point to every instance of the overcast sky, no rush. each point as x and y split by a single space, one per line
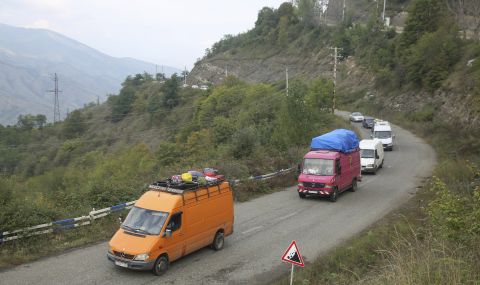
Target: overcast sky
169 32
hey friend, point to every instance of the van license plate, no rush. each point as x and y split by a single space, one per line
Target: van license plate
313 192
122 264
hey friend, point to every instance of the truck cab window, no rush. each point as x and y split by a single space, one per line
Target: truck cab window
175 222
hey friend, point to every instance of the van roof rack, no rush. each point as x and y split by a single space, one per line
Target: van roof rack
187 187
180 188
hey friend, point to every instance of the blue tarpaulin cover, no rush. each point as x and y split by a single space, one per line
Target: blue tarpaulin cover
339 140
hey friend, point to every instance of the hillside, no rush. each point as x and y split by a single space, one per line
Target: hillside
29 58
263 53
280 40
427 79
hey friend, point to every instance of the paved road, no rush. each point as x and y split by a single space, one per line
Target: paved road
264 228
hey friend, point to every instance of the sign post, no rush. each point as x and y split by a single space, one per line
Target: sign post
292 255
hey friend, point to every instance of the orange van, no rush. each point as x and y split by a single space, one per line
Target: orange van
167 223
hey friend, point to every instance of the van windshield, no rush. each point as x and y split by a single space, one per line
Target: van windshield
382 134
318 166
144 221
367 153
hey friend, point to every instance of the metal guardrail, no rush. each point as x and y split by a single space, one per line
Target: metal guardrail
60 225
68 224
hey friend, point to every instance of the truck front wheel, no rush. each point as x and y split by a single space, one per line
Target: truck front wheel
334 195
301 195
161 265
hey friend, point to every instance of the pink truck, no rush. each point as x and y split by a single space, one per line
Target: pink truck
331 166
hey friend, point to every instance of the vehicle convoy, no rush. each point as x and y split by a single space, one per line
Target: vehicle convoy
383 131
371 155
331 166
170 221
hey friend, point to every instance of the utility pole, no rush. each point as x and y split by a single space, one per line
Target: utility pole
98 100
383 14
185 76
343 12
56 104
226 71
286 78
335 56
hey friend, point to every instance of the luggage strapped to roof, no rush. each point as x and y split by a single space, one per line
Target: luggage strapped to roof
184 188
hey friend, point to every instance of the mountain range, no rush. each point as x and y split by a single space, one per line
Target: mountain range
30 57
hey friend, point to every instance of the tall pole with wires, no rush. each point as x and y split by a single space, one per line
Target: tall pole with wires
383 13
56 104
334 98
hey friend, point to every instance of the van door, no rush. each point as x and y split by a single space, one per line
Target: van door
175 244
340 171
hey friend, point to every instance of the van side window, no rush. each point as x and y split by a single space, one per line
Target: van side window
175 222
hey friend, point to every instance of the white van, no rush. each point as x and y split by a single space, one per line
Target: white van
371 155
383 132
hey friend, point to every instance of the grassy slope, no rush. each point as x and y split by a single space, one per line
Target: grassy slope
111 162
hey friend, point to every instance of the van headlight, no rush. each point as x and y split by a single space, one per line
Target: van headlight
141 257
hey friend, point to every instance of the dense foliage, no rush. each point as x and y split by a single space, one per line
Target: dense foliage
103 155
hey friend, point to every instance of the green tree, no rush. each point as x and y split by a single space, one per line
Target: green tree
319 96
26 122
74 125
170 91
122 104
266 21
425 16
283 31
306 12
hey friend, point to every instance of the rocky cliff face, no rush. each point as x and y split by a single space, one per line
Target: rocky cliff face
452 104
263 68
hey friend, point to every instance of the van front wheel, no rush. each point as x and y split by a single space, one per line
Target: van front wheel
218 241
161 265
334 195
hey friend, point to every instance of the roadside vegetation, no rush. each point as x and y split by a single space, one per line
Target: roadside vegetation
103 155
435 237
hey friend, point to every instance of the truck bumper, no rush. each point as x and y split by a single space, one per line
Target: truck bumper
130 264
323 192
368 169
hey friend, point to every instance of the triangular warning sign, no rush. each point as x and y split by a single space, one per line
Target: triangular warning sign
292 255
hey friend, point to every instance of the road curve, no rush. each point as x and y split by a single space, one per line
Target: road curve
264 227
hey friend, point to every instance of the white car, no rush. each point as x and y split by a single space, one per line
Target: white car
356 117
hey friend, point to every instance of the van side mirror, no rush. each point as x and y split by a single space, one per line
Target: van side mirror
376 156
167 233
338 167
